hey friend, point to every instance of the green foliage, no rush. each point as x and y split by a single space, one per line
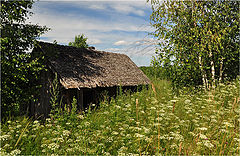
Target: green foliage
151 122
155 72
200 40
74 106
18 70
80 42
55 99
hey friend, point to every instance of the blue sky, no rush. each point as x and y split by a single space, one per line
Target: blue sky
113 26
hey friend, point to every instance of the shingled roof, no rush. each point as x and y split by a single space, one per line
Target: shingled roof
89 68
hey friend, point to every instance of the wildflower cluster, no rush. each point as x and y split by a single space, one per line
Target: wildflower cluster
147 122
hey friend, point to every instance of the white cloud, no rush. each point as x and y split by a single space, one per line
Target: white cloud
94 41
122 42
79 22
137 7
144 47
66 27
115 50
97 7
127 9
119 29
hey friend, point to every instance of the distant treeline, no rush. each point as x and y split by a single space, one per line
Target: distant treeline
154 72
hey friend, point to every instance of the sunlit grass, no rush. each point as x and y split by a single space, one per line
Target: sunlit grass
154 121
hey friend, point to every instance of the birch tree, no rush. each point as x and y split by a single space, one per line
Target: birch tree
202 40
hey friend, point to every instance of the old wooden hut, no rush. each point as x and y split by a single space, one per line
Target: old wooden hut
83 73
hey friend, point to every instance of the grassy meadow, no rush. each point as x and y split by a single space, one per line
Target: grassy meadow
153 121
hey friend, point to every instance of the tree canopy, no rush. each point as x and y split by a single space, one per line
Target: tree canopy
80 42
201 40
17 68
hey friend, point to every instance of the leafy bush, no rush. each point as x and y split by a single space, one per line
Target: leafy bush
19 71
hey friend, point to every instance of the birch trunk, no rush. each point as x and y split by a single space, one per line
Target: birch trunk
212 69
221 70
201 68
203 73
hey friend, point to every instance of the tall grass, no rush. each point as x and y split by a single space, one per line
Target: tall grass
154 121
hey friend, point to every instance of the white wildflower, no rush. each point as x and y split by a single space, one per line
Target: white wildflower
191 133
115 133
202 136
53 146
121 128
33 136
128 105
106 112
48 125
202 129
173 101
125 126
110 139
161 111
18 126
173 146
128 135
170 138
159 118
69 149
44 145
87 123
66 133
80 116
156 124
224 130
146 130
214 120
176 126
208 144
4 137
118 107
35 122
153 108
6 146
131 119
228 124
187 101
139 135
15 152
60 139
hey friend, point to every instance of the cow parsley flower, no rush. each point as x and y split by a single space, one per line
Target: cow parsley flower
139 135
115 133
53 146
187 101
202 128
15 152
202 136
208 144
